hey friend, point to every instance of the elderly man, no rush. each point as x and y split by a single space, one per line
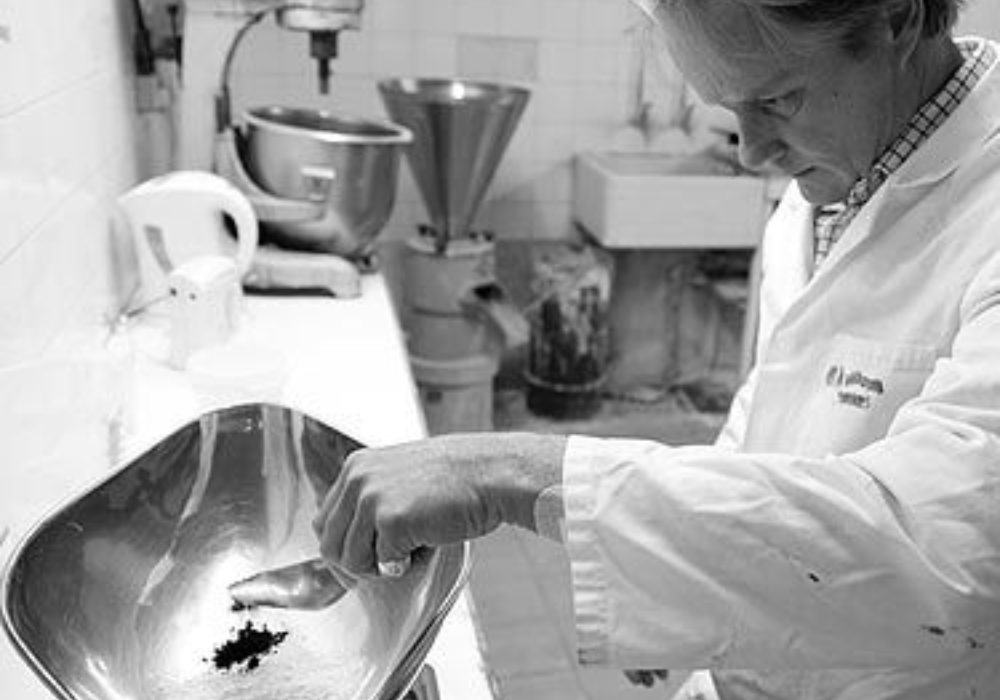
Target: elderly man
841 540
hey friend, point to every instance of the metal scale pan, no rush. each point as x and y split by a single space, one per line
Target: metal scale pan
123 591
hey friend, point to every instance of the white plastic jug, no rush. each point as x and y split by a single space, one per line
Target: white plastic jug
180 216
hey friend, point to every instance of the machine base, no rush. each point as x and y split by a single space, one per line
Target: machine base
275 270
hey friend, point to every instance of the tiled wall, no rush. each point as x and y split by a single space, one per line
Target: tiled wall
574 56
980 17
68 131
67 149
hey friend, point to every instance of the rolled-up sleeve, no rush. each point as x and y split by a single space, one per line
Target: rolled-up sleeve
697 557
884 557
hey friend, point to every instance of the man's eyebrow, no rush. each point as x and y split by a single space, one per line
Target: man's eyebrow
776 85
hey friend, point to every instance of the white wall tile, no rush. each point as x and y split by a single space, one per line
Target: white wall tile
498 58
436 56
355 54
554 142
520 17
559 19
506 217
981 18
588 137
389 16
478 16
558 62
267 50
67 149
600 62
603 20
435 17
554 104
554 184
17 59
604 104
392 53
552 221
30 187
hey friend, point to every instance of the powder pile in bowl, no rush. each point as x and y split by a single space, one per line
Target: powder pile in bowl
247 648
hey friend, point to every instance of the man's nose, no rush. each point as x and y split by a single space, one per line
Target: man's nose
761 147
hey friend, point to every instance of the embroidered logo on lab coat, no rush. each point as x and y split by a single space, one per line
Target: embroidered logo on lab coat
853 387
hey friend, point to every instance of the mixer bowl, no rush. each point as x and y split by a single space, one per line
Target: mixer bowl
364 154
122 593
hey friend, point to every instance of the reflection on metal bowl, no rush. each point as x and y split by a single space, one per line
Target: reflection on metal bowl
285 148
122 593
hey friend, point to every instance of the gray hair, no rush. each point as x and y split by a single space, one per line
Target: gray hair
846 22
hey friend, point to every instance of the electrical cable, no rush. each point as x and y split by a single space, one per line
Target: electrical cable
145 57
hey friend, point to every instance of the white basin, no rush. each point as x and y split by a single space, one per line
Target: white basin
642 200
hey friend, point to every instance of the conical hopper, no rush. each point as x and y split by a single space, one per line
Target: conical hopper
460 132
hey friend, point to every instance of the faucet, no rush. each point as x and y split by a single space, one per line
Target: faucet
640 107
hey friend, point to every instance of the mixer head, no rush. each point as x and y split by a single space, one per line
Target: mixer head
323 19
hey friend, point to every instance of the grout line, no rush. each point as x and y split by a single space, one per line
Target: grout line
63 86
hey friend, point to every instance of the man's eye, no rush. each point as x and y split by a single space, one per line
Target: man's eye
785 105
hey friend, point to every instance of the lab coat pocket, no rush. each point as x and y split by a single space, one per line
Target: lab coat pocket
863 384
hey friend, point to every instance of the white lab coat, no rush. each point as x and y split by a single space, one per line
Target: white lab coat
841 541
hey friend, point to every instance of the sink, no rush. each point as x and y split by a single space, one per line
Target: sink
644 200
122 591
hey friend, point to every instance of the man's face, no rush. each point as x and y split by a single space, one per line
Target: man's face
821 116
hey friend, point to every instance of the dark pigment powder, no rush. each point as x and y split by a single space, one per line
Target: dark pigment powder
248 647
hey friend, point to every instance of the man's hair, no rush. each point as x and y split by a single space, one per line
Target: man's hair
844 22
848 20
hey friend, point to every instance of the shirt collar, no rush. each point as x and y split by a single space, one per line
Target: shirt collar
962 135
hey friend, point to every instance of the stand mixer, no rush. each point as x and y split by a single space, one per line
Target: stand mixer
322 184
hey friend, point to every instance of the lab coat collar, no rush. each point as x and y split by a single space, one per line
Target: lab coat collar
960 137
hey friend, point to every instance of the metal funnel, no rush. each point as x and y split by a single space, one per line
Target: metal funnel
460 131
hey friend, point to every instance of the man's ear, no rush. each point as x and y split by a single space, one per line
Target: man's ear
906 27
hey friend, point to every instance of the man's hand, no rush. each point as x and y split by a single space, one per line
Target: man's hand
388 502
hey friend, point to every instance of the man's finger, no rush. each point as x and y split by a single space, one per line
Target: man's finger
335 520
337 490
358 549
346 580
395 542
327 504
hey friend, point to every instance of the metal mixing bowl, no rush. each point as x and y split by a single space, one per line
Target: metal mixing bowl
122 593
364 154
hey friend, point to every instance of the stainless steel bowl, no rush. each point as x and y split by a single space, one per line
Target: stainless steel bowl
122 593
282 145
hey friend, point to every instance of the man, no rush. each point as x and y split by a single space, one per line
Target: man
841 540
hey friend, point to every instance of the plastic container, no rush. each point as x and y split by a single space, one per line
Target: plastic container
569 341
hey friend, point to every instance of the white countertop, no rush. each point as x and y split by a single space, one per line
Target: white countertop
344 363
